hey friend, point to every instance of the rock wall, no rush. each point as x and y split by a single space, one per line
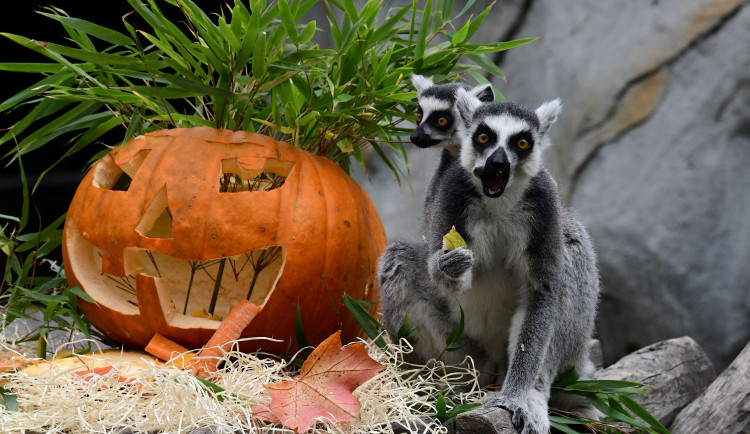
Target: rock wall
651 152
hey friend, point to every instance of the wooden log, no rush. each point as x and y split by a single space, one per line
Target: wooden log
676 372
482 421
724 407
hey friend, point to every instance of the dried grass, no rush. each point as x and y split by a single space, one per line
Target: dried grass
168 400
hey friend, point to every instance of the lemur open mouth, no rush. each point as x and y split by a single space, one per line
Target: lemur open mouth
494 181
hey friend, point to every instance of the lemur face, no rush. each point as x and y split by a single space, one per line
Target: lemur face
437 117
502 142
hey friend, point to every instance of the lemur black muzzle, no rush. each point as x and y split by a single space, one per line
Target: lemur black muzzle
495 173
419 138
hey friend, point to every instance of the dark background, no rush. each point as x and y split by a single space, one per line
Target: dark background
53 195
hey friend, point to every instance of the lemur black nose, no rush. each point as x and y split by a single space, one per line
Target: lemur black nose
415 136
498 160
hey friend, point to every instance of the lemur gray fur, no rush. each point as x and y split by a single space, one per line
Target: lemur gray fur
528 281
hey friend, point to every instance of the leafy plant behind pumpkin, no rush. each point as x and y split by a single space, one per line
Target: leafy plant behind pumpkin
255 66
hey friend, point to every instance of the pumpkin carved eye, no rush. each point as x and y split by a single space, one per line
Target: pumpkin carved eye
419 117
442 121
483 138
522 144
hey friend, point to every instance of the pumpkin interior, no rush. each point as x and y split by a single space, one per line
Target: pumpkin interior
185 287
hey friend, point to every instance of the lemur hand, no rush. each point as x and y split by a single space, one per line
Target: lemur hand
528 416
455 262
451 269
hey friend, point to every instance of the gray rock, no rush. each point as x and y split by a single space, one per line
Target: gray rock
651 151
595 353
725 405
666 203
676 371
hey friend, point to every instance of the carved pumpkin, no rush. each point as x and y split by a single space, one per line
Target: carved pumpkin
172 230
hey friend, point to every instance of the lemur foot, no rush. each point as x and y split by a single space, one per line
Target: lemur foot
455 262
528 416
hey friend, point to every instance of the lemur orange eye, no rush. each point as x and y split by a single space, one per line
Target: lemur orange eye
443 122
522 144
419 117
483 138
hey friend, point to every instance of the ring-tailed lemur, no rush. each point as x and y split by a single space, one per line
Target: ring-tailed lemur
439 123
437 117
528 281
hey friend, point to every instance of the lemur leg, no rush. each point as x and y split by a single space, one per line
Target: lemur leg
407 291
526 388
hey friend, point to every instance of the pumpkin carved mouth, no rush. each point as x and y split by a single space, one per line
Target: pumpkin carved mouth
185 288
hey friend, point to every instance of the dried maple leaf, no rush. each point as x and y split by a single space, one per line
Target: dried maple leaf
323 388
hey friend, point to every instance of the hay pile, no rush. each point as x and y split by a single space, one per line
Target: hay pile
163 399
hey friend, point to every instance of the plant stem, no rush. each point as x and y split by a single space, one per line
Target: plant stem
190 287
217 286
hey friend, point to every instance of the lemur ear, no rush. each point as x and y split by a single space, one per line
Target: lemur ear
547 114
466 103
421 83
484 92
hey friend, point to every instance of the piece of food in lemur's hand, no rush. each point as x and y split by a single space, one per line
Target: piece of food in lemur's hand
453 240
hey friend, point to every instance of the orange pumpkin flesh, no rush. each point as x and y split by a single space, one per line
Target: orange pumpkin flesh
136 251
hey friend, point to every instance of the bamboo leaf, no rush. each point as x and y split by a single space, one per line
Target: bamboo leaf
308 32
422 33
9 399
259 57
46 68
95 30
76 290
369 324
641 412
287 20
462 33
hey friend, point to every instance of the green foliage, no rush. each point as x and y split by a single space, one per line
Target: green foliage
255 66
33 283
371 326
443 415
8 399
608 397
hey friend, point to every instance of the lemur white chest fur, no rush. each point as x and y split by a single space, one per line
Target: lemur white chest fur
498 275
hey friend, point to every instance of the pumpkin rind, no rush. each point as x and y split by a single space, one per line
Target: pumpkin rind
327 224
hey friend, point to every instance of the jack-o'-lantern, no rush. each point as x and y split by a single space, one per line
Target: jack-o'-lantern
173 229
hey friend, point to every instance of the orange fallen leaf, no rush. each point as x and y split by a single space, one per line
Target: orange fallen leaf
101 371
323 388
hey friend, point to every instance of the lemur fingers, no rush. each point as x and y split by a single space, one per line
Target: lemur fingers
452 268
528 413
456 262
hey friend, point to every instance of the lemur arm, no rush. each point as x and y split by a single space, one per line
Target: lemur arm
531 345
